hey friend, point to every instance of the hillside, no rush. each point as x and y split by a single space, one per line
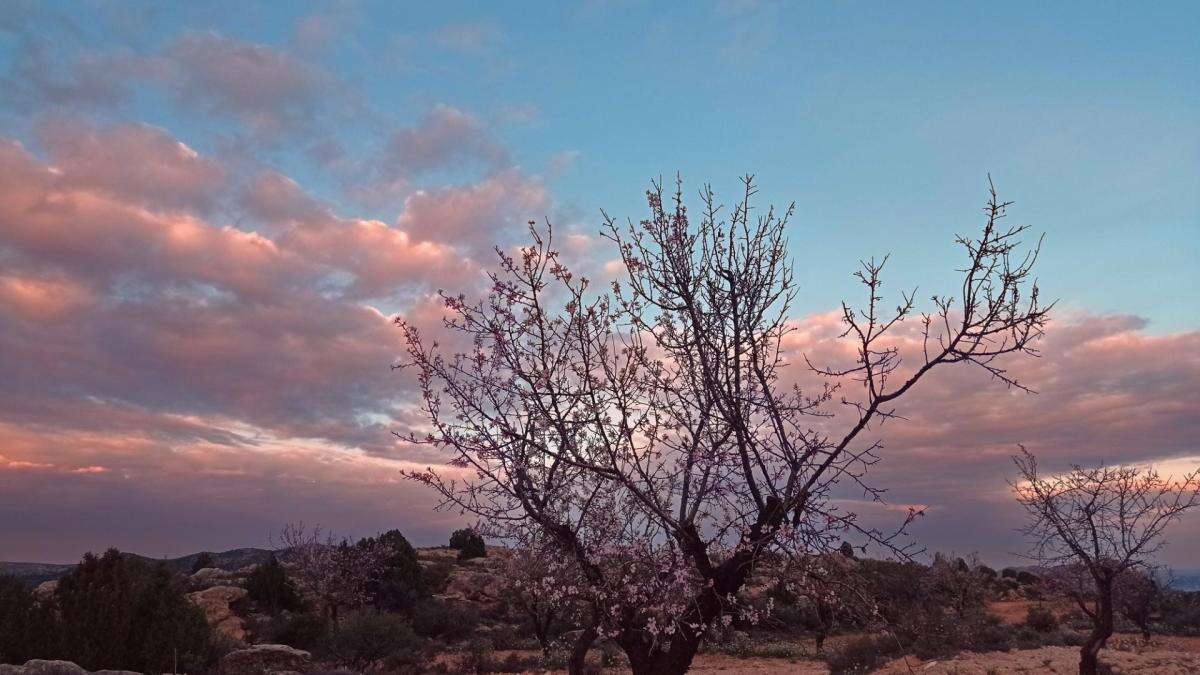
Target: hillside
235 559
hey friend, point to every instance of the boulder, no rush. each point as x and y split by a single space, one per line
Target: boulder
217 603
210 576
46 589
45 667
262 659
472 586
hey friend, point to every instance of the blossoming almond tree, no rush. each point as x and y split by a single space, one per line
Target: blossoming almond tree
1095 528
650 434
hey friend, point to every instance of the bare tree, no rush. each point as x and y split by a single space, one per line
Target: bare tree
655 435
1093 527
338 574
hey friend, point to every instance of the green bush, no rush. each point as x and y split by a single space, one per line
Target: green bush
433 618
116 613
302 631
1041 619
269 587
469 544
26 626
1179 613
860 655
437 576
366 639
400 582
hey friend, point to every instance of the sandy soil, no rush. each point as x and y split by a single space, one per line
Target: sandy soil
1126 654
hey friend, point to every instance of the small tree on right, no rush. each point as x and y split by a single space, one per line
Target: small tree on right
1093 527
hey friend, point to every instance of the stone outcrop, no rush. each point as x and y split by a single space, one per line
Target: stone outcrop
263 659
43 667
472 586
209 577
217 603
46 589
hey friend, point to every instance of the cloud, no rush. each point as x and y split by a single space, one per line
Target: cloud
39 78
475 217
446 136
1109 392
133 161
269 90
153 352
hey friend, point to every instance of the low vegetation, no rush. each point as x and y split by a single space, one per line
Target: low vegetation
432 611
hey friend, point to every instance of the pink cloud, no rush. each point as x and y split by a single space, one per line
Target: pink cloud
133 161
477 216
1108 392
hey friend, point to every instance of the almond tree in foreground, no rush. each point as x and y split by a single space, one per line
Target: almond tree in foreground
1094 529
654 435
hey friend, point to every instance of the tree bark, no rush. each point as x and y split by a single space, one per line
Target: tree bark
648 658
580 649
1102 629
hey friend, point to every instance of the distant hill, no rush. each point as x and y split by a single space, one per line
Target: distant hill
1186 580
35 573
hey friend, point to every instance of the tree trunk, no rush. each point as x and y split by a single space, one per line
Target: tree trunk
1089 653
579 651
651 659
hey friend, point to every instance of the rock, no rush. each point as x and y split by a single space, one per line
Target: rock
210 576
217 605
481 587
261 659
46 589
44 667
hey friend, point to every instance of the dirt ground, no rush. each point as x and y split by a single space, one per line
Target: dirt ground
1126 654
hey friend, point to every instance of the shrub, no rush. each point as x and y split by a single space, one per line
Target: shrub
1027 578
1025 637
438 619
117 613
1041 619
1008 573
302 631
988 634
1180 613
399 582
203 560
860 655
477 657
269 587
369 638
437 576
469 544
26 626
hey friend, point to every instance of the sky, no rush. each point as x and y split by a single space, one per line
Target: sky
210 213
